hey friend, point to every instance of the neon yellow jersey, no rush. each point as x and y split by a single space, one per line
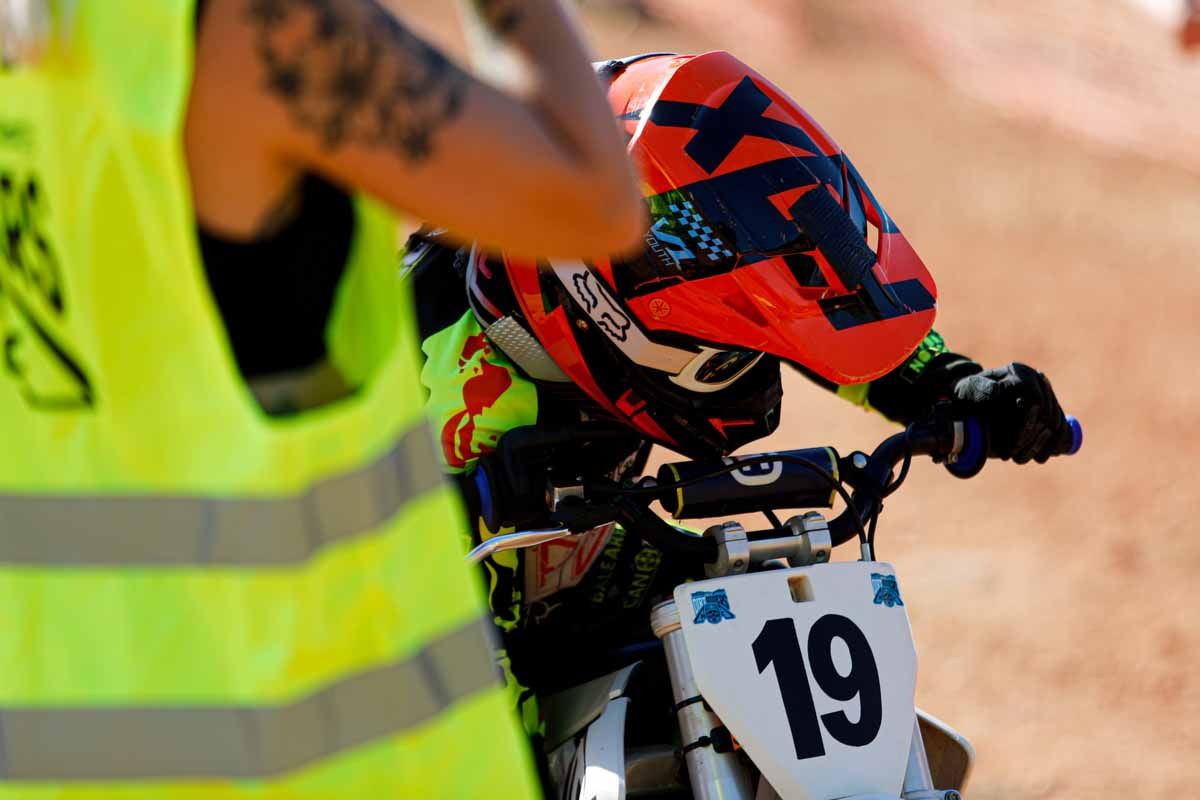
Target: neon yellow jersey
197 600
476 394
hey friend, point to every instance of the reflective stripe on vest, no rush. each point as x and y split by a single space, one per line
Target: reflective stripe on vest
108 530
100 744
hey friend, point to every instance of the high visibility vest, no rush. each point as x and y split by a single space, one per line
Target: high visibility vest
197 600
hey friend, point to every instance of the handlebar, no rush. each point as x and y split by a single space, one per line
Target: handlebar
809 478
764 482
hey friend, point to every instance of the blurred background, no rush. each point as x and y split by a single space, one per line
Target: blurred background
1044 159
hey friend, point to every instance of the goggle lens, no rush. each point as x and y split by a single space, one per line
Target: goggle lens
723 367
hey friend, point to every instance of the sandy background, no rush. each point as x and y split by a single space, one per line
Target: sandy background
1045 161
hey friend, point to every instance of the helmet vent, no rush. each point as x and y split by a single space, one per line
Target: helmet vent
873 237
745 306
524 350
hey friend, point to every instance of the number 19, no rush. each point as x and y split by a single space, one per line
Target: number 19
778 644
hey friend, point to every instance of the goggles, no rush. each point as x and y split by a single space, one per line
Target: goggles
712 370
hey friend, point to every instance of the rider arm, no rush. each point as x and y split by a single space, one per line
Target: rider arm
907 393
342 87
1016 403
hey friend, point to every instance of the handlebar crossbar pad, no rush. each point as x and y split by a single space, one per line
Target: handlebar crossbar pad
790 482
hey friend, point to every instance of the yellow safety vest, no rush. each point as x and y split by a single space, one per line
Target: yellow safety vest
197 600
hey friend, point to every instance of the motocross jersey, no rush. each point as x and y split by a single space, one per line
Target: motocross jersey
579 598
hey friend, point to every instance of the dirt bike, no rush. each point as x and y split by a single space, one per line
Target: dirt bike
781 674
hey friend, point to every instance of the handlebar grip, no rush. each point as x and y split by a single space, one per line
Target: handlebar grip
973 452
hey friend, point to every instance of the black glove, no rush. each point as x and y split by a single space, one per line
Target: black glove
1019 409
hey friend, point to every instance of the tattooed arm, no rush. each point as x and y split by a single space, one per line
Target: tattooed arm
344 88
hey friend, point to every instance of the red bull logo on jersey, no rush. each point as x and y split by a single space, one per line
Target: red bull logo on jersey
485 383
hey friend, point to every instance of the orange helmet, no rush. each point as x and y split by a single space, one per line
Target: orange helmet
765 244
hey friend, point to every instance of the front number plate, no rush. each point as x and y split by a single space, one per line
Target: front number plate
812 670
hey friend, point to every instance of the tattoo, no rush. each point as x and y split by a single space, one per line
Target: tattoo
351 72
502 16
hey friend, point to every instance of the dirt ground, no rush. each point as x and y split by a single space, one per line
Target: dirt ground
1048 171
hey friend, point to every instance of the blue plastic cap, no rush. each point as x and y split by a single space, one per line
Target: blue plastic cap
1076 435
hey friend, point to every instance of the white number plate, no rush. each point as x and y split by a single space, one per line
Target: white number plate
812 670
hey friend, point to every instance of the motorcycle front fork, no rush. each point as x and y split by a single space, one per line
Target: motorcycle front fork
714 769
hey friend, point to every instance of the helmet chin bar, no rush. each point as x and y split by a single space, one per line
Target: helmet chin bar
607 313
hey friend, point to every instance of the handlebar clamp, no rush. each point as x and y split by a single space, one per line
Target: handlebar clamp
733 550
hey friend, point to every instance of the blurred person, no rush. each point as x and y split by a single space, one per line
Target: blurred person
224 568
766 247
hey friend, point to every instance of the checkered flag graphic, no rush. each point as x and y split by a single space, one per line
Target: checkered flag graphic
701 234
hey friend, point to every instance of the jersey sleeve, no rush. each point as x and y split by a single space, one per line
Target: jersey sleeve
475 393
908 392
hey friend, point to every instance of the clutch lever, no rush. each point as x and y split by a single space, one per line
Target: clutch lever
569 514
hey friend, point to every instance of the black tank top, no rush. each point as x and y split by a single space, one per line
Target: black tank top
275 293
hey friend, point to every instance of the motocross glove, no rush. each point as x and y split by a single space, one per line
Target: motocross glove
1019 409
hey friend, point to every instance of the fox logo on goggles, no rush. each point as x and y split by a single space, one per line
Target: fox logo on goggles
600 307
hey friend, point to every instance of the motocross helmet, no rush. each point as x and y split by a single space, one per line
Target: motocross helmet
765 245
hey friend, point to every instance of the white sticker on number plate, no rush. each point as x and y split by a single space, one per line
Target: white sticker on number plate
812 670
